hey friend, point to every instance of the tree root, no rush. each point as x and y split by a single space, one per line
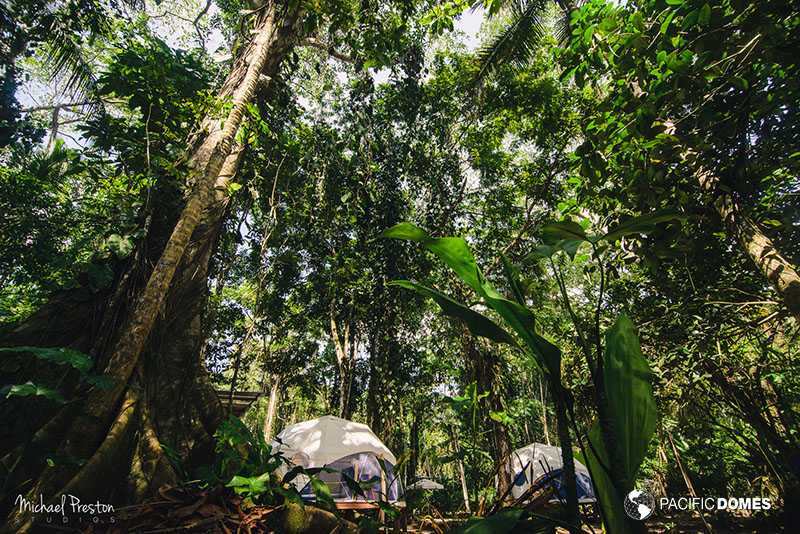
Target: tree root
297 519
26 460
101 467
150 467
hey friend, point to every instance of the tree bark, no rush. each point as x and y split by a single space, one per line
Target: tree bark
461 474
544 411
781 273
344 344
486 375
272 408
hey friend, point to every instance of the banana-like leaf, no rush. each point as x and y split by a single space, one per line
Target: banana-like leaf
522 321
502 522
454 251
477 323
512 275
642 224
632 408
563 231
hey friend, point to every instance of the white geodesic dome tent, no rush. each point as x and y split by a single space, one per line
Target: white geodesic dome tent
539 465
347 449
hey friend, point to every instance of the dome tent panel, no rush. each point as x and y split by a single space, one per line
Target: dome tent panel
538 465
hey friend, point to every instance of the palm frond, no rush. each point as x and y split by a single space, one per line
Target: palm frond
516 43
70 66
69 28
563 28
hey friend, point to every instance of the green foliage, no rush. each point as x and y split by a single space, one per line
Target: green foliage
240 453
502 522
80 362
632 408
456 254
61 356
29 388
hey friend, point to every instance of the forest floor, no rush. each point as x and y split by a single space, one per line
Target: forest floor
213 510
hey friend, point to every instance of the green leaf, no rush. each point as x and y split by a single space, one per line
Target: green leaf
521 319
632 409
542 251
390 511
454 251
120 246
564 230
629 392
587 34
322 493
675 2
665 24
250 486
504 521
501 417
58 355
704 17
477 323
642 224
564 235
29 389
406 231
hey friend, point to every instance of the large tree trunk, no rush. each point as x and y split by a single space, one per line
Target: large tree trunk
485 368
543 403
460 465
272 408
776 268
154 409
344 344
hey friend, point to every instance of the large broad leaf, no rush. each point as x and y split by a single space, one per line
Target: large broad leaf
564 235
642 224
632 409
522 321
477 323
57 355
564 230
500 523
454 251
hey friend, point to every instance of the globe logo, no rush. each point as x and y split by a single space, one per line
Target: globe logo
639 504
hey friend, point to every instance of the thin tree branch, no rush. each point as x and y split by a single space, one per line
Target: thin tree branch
315 43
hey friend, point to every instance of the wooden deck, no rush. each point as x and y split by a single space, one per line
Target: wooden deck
241 400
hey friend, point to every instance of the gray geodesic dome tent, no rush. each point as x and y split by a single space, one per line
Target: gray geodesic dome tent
538 466
348 450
